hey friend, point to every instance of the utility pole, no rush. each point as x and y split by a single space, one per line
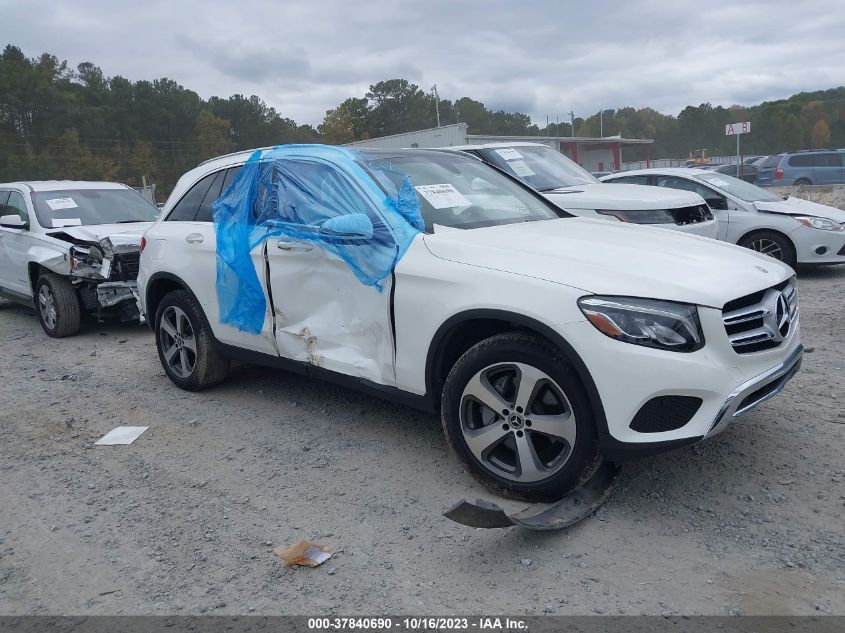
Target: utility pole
572 122
601 123
436 103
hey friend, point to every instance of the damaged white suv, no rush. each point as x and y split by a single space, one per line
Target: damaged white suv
546 341
68 247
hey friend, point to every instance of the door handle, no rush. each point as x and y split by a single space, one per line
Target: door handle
294 247
194 238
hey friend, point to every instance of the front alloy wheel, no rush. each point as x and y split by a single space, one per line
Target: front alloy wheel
516 414
517 421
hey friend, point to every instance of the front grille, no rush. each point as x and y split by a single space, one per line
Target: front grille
125 267
665 413
763 319
691 215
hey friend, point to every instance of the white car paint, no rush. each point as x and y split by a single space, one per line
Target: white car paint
535 271
742 217
587 198
38 245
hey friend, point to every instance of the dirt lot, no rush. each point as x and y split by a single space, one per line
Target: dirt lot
185 519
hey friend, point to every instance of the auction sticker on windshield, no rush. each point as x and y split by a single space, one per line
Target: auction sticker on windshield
442 196
520 168
509 153
61 203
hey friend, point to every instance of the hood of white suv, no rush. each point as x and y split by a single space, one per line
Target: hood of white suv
798 206
621 197
96 232
615 259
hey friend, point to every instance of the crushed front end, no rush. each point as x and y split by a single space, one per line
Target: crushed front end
105 275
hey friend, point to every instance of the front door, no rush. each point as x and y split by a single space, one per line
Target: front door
323 314
14 243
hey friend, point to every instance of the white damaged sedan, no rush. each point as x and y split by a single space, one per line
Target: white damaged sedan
792 230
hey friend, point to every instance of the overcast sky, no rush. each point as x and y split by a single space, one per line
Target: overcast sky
542 57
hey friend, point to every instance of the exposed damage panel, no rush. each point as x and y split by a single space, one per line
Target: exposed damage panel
104 269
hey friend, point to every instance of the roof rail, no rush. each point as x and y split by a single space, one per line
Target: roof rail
243 151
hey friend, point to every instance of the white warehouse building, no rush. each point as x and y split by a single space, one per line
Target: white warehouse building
594 154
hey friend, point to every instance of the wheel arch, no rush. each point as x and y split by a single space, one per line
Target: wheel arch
158 286
463 330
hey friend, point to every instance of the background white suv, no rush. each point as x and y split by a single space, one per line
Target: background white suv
574 189
68 247
546 341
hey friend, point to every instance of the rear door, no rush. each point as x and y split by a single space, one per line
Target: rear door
189 227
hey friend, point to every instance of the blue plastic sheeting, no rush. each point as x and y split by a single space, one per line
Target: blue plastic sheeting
331 196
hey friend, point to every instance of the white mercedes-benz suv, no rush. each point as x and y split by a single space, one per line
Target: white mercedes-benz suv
573 188
546 341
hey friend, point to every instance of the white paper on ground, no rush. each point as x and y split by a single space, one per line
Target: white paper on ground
121 435
443 196
509 153
61 203
520 168
60 222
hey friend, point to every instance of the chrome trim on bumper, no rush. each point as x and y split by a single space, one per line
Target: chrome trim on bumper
780 374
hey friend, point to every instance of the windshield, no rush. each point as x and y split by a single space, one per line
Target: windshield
739 188
84 207
539 166
459 191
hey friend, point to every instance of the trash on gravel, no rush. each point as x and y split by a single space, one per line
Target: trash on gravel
121 435
304 553
561 514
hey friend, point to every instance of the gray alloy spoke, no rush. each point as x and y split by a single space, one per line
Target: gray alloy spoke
529 377
170 352
530 468
479 440
168 327
558 426
190 343
479 389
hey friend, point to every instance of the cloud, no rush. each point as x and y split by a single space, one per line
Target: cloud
544 57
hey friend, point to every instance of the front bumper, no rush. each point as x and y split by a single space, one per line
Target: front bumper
757 390
724 383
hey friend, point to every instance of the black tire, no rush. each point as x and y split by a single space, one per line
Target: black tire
577 464
802 181
57 306
771 243
203 367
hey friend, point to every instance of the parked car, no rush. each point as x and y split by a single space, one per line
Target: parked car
572 188
70 247
809 167
793 230
747 171
545 340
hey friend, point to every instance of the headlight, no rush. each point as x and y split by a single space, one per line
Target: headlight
823 224
659 324
646 216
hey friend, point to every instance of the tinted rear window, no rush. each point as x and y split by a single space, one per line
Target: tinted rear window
770 161
805 160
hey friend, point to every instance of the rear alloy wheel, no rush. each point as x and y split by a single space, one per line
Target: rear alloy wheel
772 244
57 305
517 415
185 343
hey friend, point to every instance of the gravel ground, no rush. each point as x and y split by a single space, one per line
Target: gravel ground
186 518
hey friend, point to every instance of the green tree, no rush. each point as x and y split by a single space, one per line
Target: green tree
212 135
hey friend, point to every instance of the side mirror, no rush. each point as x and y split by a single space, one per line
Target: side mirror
720 204
355 226
12 221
